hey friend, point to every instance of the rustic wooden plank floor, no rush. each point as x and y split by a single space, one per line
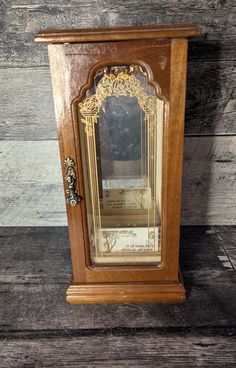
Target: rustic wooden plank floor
39 329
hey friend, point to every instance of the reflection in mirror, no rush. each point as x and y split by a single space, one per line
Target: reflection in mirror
121 129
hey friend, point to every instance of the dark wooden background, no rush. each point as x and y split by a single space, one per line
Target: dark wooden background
31 184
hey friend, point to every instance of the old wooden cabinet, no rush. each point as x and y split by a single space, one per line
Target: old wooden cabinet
119 99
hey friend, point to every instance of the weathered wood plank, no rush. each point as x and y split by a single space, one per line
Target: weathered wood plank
35 269
34 315
228 241
204 50
211 103
20 20
26 111
201 253
31 184
43 307
34 255
32 204
224 229
209 181
34 195
189 230
128 350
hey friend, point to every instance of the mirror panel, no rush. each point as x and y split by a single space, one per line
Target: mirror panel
121 134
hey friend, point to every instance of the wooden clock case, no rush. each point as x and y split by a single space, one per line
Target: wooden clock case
74 56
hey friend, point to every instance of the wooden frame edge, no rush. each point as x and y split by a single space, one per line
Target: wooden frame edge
116 33
161 292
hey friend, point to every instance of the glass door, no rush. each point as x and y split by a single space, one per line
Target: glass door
121 134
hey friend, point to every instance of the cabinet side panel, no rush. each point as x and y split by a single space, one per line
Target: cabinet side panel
173 153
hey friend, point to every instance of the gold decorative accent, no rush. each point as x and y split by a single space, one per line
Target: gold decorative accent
118 82
73 197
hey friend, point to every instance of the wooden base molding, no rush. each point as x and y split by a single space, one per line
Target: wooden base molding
170 292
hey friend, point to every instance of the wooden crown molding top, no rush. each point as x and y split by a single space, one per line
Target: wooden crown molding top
117 34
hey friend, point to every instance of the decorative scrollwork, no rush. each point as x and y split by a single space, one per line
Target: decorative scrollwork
118 82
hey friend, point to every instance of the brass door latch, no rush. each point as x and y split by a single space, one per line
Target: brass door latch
73 198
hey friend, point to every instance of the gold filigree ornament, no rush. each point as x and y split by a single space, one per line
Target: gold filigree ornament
121 83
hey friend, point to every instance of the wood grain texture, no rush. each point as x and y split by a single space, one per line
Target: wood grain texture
33 294
22 19
211 103
34 255
31 184
209 180
116 33
34 195
134 350
27 111
38 327
228 241
209 304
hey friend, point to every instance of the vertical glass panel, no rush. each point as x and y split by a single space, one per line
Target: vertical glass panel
121 130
